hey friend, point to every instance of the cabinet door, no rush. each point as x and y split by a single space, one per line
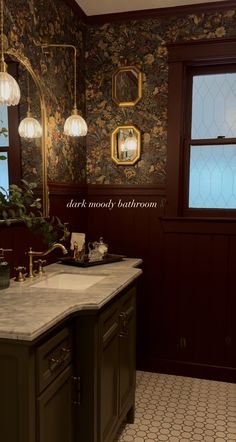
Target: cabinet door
127 351
109 373
54 410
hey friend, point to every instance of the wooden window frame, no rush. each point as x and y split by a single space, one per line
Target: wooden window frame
183 57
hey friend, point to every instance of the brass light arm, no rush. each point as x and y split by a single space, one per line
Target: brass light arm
32 253
51 45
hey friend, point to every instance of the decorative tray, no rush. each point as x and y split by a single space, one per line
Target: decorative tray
68 260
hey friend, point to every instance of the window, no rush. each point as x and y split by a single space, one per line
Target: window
201 155
4 147
10 168
211 135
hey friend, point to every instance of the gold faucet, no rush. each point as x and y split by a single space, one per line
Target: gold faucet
31 254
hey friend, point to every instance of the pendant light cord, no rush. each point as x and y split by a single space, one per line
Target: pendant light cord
75 56
2 53
28 94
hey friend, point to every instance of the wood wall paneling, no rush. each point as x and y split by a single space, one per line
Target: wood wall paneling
186 302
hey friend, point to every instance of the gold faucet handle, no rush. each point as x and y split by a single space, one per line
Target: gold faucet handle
40 263
20 277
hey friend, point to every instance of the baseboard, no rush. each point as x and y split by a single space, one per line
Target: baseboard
190 369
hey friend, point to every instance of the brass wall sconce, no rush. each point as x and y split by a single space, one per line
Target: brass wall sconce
126 86
125 145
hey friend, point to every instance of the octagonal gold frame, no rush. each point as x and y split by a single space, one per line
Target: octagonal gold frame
126 86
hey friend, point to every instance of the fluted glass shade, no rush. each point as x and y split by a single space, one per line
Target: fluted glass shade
9 90
29 127
75 125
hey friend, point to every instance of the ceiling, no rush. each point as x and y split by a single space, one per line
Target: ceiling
97 7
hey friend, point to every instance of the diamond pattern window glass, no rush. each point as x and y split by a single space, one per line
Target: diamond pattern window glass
214 106
212 182
212 141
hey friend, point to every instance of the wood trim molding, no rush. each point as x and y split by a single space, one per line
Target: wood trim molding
204 226
106 189
161 12
67 189
201 50
182 56
121 189
150 13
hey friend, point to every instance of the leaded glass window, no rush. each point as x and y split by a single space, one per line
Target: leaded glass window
212 145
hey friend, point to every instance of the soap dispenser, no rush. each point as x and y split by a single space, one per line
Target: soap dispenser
4 270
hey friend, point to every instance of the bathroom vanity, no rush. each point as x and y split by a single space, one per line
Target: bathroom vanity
67 355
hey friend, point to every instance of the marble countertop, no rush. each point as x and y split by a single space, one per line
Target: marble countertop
27 311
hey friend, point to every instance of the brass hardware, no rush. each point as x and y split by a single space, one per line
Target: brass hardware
55 361
182 342
65 350
25 62
127 86
125 145
40 262
20 276
31 253
77 384
123 325
228 341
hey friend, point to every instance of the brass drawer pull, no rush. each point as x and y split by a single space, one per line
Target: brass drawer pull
65 350
54 362
123 325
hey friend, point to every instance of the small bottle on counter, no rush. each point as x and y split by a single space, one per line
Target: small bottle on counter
4 270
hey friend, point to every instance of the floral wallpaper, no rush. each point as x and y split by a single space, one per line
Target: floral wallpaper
27 24
101 49
142 44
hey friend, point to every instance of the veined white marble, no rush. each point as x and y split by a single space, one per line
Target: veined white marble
26 311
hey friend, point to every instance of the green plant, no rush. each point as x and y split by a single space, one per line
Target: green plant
20 203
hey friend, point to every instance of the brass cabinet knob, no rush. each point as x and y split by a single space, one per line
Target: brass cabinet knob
40 263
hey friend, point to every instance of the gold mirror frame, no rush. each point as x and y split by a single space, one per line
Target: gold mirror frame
132 71
26 63
121 154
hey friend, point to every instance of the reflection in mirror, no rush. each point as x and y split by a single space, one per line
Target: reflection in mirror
29 162
127 86
125 145
4 146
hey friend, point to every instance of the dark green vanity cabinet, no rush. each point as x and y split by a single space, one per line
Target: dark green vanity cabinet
116 365
54 381
76 382
36 390
107 368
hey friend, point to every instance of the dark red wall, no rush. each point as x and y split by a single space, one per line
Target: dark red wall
186 301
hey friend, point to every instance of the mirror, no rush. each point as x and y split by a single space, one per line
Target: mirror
33 152
126 86
125 145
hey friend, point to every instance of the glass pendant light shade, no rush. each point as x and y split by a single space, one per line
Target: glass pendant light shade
9 88
75 125
30 127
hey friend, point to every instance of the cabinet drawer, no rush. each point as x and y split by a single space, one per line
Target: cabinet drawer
128 303
109 324
52 357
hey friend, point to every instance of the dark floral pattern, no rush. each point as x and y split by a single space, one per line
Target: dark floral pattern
142 44
27 24
101 49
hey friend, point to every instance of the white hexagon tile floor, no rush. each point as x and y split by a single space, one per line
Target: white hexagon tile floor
181 409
